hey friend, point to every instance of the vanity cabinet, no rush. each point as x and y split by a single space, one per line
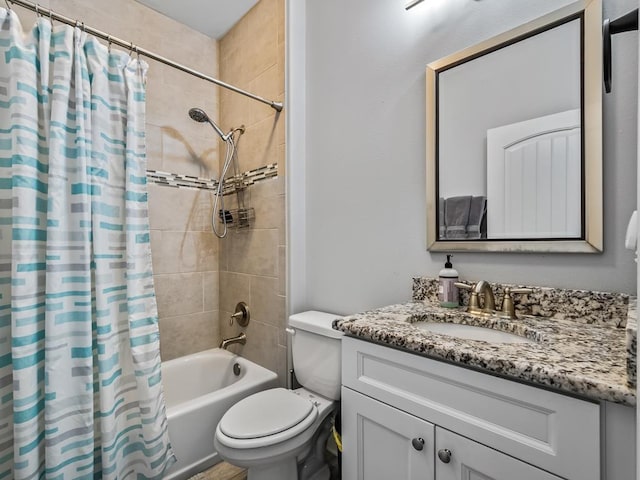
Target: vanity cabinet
493 427
383 442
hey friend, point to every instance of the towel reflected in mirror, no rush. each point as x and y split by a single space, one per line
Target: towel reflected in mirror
462 217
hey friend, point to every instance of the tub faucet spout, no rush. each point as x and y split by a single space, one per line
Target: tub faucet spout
226 342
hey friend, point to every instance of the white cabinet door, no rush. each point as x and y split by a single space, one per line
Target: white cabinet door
382 443
458 458
558 433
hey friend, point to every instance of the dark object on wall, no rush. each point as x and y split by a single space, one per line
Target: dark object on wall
626 23
225 216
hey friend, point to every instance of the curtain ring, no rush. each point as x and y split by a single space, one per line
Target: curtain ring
77 25
51 16
37 10
131 48
83 28
109 43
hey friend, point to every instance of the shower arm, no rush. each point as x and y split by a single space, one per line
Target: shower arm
223 136
198 115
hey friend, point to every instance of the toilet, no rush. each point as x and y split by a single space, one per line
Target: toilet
280 434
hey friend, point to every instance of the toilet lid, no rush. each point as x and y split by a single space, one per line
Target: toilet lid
265 413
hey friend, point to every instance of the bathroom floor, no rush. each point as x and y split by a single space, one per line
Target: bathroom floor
226 471
222 471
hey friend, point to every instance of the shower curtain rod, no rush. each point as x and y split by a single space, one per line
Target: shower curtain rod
34 7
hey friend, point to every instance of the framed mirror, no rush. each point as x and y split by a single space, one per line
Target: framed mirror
514 139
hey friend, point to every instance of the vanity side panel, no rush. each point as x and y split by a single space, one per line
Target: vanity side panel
618 441
552 431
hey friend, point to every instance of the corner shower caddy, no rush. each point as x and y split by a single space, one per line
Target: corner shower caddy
243 217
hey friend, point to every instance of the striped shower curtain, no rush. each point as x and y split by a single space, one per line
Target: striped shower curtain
80 390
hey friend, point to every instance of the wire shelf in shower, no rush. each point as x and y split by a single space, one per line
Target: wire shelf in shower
238 218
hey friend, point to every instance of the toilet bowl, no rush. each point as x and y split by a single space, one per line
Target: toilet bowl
280 434
271 432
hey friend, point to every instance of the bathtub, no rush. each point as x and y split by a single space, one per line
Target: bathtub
198 390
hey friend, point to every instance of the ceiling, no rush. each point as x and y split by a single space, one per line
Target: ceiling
211 17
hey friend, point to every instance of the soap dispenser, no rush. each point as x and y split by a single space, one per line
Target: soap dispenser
447 291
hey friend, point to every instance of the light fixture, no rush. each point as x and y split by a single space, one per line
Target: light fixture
412 4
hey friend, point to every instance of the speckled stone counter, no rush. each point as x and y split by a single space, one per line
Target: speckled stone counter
632 342
586 360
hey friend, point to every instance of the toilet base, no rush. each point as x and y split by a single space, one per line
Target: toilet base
288 470
312 467
275 471
323 474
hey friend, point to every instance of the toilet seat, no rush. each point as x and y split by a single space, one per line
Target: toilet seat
266 418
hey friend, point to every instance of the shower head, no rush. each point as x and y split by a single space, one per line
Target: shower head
198 115
201 116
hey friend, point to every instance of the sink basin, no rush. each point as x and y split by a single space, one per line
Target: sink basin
471 332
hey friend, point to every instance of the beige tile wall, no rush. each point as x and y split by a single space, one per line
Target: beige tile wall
199 279
185 253
252 263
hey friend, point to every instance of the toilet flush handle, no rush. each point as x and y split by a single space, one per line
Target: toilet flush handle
290 331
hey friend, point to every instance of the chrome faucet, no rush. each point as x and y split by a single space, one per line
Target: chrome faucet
241 339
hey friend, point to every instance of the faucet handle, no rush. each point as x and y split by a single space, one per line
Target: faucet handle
464 286
242 315
517 290
508 307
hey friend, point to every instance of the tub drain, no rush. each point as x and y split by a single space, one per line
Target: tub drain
236 369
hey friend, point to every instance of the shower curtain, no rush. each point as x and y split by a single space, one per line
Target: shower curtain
80 390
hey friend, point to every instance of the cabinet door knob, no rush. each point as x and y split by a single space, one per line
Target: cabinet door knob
444 455
418 443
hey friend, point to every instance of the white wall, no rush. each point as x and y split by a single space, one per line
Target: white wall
363 232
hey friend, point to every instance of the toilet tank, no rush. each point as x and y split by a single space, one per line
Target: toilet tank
316 352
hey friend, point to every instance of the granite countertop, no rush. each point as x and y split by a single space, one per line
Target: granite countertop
572 357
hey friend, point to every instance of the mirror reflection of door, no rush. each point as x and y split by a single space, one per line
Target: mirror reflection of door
534 178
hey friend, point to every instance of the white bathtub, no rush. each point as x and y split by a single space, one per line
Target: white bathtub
198 390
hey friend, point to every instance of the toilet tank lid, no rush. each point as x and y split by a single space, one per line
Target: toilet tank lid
316 322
